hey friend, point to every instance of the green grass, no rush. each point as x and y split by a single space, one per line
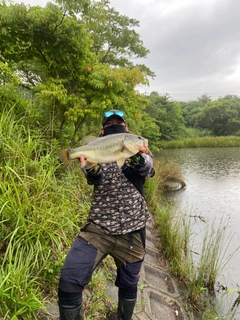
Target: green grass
40 209
203 142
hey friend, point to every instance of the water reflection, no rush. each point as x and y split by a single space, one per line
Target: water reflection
212 176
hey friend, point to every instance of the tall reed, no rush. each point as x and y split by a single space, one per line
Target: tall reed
39 211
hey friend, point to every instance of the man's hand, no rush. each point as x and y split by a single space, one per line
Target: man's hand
137 160
94 169
82 161
145 150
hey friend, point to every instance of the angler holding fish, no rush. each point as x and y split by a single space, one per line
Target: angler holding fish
117 164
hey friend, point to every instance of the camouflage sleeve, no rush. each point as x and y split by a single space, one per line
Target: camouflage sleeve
94 174
142 164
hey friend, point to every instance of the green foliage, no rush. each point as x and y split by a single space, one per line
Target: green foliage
19 281
167 115
115 40
191 108
7 76
195 133
74 6
151 131
40 208
51 49
10 91
166 171
46 38
222 116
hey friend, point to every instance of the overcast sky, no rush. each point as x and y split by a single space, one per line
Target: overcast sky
194 44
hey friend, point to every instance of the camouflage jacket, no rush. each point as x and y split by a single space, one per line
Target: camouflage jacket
118 205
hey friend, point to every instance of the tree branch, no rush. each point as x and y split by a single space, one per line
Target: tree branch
57 25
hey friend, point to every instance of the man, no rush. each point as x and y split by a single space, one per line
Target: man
116 226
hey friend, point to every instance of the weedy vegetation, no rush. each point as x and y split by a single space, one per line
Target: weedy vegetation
42 206
40 211
197 272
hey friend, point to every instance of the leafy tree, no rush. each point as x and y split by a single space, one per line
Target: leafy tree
167 115
51 50
7 76
115 40
193 107
10 93
222 116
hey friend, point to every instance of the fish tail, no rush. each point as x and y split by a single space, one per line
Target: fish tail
63 156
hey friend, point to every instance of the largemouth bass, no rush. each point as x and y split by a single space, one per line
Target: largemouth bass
114 147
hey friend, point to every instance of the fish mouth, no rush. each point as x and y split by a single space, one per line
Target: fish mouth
145 143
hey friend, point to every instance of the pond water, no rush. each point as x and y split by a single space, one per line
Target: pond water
212 176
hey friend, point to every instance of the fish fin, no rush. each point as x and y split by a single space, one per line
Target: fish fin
120 162
124 148
63 156
87 139
89 164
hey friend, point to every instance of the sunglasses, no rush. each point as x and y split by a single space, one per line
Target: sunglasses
119 113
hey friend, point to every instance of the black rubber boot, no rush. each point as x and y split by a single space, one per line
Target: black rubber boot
125 307
70 309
